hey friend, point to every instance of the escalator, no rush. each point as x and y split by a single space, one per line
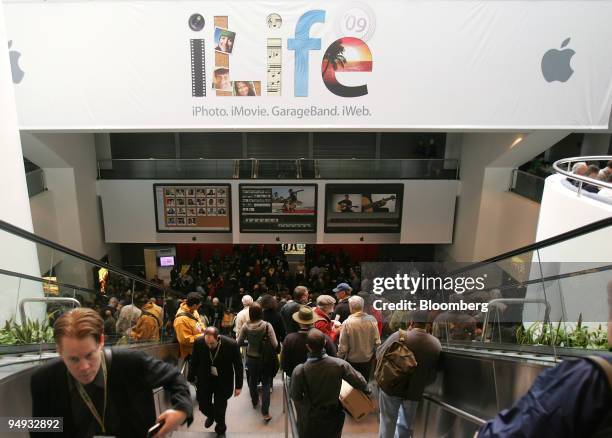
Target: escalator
554 308
39 280
548 306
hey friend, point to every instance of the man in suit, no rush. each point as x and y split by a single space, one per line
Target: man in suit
216 367
101 391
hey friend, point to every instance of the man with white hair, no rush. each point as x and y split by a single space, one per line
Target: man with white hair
580 168
243 316
359 338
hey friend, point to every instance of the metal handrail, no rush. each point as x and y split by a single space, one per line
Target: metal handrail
583 179
19 232
23 301
532 175
485 323
460 413
580 231
45 281
290 420
277 159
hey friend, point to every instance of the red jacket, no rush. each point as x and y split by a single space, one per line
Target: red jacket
325 324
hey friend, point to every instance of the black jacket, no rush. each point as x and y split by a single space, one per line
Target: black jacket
317 382
342 309
287 312
295 351
275 319
132 376
228 363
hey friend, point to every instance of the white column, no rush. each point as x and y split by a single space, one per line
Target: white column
16 255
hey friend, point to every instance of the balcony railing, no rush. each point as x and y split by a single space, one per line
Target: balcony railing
278 169
528 185
564 167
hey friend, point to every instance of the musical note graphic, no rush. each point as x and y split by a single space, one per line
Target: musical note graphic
274 70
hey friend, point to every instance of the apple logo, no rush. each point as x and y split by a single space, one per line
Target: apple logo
16 71
556 64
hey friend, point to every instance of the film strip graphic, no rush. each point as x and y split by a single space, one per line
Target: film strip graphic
275 46
198 68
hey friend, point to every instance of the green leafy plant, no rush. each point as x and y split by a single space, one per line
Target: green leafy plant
545 333
32 332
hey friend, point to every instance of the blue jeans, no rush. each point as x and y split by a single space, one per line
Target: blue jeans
397 416
256 374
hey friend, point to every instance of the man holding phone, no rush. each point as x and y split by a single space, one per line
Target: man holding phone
216 367
104 392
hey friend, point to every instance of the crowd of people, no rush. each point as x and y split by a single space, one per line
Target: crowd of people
236 314
594 172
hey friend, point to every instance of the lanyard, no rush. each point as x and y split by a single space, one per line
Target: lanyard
87 399
212 359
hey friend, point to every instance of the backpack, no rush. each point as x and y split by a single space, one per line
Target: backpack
395 366
267 354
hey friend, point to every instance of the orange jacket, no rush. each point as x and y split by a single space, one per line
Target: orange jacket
149 323
187 329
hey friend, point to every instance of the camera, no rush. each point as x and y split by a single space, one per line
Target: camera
196 22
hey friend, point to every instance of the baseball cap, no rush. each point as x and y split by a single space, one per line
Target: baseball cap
341 287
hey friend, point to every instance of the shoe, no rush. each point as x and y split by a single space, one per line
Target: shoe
267 417
209 422
255 405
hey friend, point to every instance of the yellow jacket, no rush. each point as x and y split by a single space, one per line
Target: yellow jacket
187 329
149 323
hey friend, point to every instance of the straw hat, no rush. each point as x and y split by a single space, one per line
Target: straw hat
304 316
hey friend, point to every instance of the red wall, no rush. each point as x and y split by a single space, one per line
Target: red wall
357 252
187 252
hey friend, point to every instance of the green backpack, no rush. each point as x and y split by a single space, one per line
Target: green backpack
395 366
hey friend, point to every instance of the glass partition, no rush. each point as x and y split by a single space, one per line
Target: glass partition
40 280
528 185
549 301
278 169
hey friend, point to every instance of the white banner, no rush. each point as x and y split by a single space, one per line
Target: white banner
389 64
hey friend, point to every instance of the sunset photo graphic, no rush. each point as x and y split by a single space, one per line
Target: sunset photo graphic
345 55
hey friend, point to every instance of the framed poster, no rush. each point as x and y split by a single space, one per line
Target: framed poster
363 208
189 208
271 208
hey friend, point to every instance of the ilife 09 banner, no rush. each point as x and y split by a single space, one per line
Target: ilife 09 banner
304 65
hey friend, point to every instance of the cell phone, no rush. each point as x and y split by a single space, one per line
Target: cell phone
337 318
154 429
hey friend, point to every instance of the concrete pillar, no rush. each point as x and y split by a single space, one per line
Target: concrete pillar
16 255
595 144
484 227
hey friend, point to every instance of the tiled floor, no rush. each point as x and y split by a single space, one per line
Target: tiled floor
245 422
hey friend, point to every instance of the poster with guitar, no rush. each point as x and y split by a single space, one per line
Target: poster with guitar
359 208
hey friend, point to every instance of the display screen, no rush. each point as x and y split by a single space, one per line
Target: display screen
363 208
193 208
166 261
278 208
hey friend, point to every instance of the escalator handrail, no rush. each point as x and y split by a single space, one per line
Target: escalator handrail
580 231
19 232
459 412
46 281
